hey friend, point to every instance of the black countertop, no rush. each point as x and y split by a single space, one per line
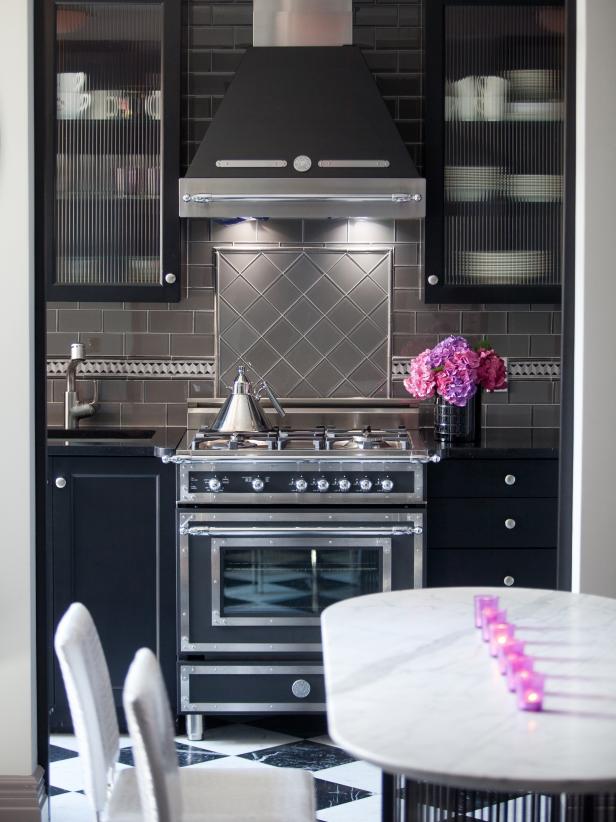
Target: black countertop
495 443
499 443
126 442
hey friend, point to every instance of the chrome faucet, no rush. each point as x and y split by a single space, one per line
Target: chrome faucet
73 409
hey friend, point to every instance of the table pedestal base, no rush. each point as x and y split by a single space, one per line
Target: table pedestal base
410 801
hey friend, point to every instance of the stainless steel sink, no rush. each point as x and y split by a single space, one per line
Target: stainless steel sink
100 434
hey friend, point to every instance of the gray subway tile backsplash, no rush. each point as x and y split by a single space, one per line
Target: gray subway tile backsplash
171 321
215 34
122 320
80 319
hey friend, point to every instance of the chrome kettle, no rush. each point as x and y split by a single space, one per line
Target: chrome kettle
242 413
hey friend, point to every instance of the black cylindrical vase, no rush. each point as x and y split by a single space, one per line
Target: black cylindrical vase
453 423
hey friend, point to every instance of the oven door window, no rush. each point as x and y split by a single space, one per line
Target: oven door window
289 582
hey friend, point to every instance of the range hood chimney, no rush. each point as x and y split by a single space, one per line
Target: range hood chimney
302 130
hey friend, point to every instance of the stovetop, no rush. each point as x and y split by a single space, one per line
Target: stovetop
317 439
313 431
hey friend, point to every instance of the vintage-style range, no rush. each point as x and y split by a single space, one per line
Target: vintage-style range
275 525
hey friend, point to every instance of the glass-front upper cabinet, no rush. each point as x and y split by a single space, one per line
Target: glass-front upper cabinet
495 151
113 150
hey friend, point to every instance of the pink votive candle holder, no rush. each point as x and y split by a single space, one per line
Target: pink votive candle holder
500 633
513 648
530 689
481 601
518 666
488 616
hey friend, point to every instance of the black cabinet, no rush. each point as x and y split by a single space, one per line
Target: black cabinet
492 522
111 545
496 87
112 136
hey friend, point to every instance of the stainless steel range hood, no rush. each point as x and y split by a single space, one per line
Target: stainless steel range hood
302 130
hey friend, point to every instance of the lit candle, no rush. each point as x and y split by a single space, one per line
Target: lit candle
530 689
500 633
488 616
512 647
481 602
518 666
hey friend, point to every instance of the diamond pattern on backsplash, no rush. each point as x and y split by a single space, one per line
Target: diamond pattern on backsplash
313 322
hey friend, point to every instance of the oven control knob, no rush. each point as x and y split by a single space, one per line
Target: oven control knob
365 484
214 484
344 484
301 484
387 484
322 484
257 484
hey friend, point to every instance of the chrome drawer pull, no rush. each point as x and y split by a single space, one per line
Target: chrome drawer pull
60 482
300 688
509 479
509 581
509 524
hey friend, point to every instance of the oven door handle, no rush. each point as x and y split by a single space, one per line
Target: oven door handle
319 457
221 531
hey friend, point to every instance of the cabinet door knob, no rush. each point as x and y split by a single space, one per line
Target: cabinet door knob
60 482
509 523
509 581
170 278
432 279
510 479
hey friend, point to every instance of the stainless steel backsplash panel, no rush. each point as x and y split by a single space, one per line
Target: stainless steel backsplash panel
314 322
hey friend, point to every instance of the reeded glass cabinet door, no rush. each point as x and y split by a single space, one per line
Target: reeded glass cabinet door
115 165
495 151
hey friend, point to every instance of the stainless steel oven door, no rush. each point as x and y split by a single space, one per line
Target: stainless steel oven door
259 580
289 580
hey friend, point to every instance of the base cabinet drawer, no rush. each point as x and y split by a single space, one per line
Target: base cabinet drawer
508 479
490 523
227 688
521 567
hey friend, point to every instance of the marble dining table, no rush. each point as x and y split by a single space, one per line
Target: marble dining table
412 688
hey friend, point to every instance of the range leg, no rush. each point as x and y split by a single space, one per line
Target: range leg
194 727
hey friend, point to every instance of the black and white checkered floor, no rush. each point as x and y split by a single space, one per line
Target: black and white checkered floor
347 790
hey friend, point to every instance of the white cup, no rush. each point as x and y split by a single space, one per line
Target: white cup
71 104
104 105
70 81
153 105
493 99
467 101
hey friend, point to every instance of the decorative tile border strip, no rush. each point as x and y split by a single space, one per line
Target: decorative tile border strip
534 369
516 369
206 369
137 368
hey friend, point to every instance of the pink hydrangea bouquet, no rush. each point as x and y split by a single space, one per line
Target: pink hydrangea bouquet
454 371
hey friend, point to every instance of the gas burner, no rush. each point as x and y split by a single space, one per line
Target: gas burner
367 439
317 439
215 441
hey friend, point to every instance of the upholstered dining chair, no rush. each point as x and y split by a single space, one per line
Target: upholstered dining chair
172 794
113 793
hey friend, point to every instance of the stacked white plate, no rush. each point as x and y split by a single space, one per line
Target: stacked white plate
472 184
535 188
547 110
533 84
504 266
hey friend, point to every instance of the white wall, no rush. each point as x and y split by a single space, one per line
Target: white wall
17 670
594 492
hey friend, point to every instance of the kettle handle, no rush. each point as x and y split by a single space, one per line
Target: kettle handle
265 386
272 398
